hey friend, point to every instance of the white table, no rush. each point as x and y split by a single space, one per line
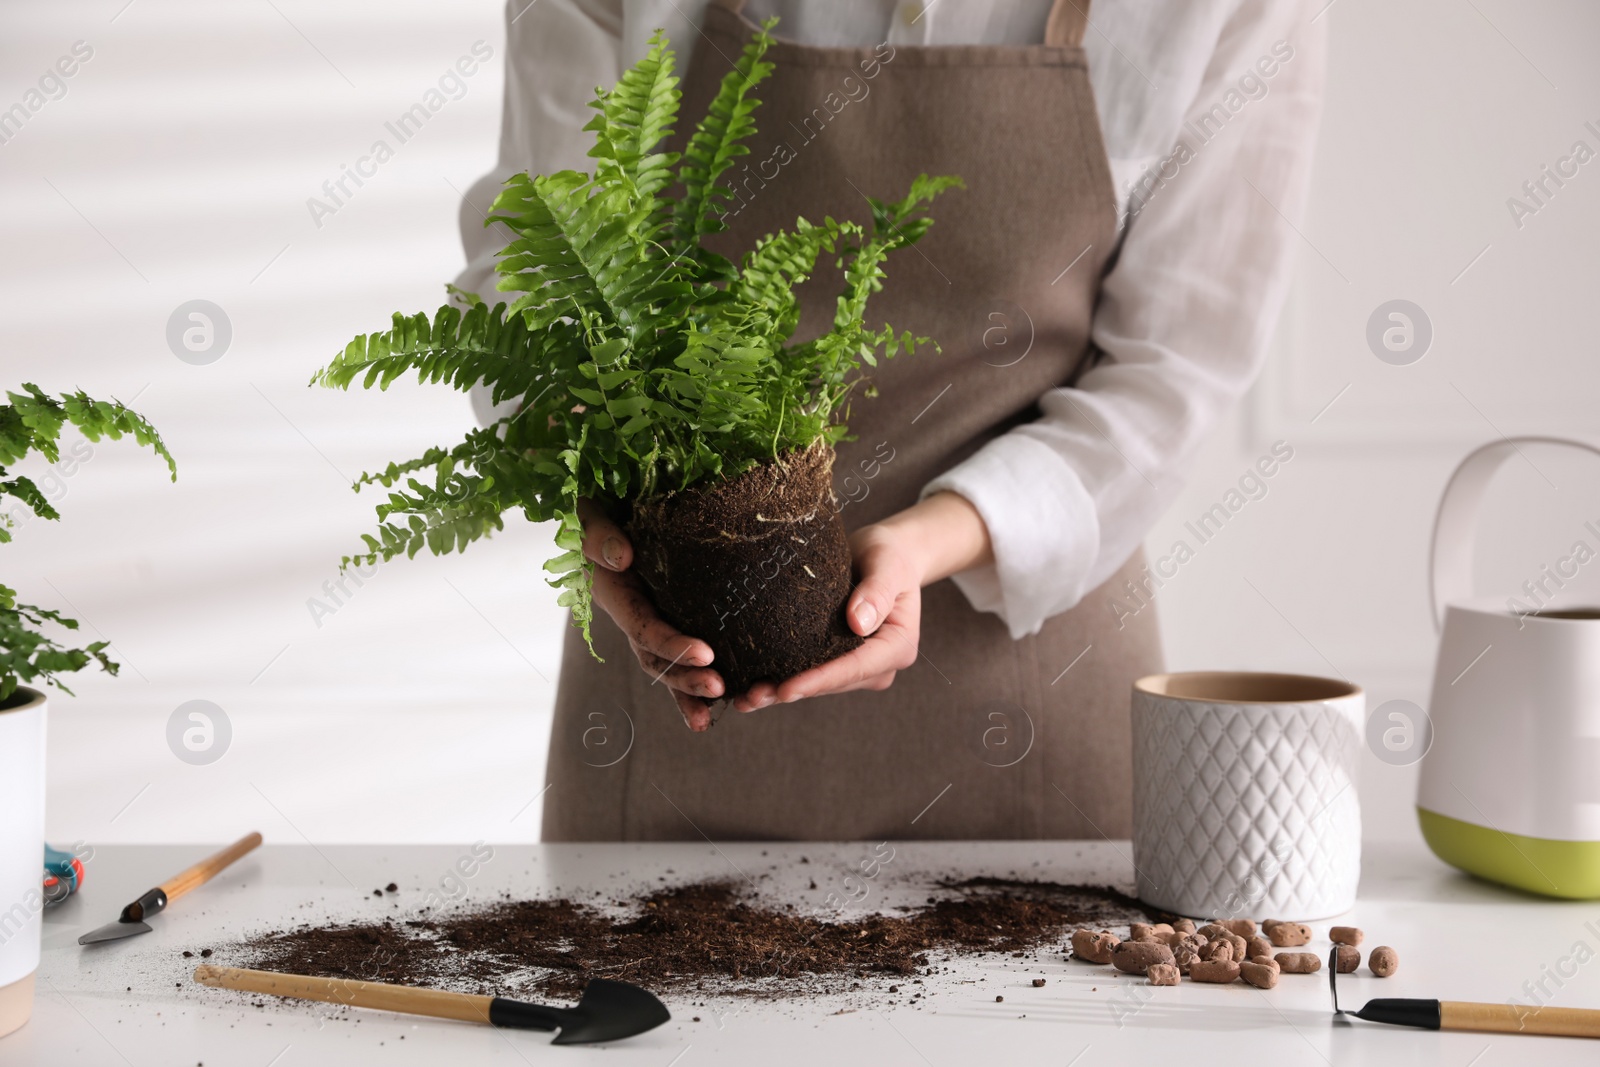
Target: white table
1458 939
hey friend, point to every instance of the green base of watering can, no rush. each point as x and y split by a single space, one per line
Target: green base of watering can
1566 869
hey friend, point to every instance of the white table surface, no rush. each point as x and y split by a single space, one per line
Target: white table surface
1458 939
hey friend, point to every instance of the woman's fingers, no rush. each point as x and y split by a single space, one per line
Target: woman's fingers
698 681
874 598
893 648
759 695
604 542
696 712
675 660
623 598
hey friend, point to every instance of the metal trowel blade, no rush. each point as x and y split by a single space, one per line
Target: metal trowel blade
114 932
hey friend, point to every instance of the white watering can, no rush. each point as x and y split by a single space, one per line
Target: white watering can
1510 789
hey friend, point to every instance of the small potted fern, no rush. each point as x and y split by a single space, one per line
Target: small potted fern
658 378
31 422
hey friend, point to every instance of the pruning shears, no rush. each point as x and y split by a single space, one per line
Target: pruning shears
63 874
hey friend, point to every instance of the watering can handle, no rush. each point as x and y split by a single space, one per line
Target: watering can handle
1455 528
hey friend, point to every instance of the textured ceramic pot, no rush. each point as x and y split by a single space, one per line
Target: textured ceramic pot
1244 800
21 855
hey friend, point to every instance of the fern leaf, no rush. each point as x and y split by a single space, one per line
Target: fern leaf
714 146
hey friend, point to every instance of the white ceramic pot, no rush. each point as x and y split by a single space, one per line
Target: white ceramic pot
21 855
1244 801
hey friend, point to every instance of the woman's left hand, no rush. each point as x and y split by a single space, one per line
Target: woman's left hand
940 535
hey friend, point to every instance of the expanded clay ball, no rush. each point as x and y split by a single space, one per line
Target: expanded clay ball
1288 935
1156 932
1219 972
1184 926
1346 935
1242 927
1162 974
1347 959
1299 962
1220 949
1383 961
1260 975
1185 957
1220 932
1135 957
1094 947
1256 946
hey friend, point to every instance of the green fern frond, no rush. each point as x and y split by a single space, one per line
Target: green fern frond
640 362
31 421
634 118
713 148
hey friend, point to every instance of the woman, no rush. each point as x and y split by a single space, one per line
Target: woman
1102 290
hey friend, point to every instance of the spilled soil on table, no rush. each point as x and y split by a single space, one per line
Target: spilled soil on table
707 937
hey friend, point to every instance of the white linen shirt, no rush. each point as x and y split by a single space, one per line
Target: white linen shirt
1209 111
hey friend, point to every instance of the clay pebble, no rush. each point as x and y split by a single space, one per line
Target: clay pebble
1299 962
1135 957
1094 947
1288 935
1259 975
1162 974
1219 972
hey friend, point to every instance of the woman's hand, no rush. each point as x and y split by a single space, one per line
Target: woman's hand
671 658
940 535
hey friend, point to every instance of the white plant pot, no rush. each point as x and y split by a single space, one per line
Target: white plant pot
22 731
1244 802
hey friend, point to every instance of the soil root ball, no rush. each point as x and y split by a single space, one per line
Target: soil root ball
757 566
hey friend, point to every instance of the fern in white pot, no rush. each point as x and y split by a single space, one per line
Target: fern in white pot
31 422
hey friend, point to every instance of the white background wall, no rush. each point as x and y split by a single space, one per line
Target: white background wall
178 166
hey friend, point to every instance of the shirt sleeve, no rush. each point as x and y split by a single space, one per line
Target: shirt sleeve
1182 326
557 53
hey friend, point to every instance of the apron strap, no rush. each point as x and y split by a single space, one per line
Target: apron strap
1066 24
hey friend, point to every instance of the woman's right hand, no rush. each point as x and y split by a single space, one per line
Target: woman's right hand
675 660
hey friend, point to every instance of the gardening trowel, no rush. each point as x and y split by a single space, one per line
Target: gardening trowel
607 1011
1509 1018
132 919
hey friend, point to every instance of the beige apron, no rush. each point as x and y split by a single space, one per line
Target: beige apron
985 737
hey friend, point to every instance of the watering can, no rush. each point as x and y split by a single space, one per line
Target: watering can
1510 788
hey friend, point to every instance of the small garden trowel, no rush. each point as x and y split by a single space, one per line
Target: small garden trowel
132 919
607 1011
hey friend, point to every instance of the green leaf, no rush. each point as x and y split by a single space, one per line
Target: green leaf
633 360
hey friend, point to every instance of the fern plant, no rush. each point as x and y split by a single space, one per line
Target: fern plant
31 421
641 361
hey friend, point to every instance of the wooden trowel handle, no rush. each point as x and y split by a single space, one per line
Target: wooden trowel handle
468 1007
208 868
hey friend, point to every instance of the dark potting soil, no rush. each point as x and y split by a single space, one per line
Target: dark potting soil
757 566
708 937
